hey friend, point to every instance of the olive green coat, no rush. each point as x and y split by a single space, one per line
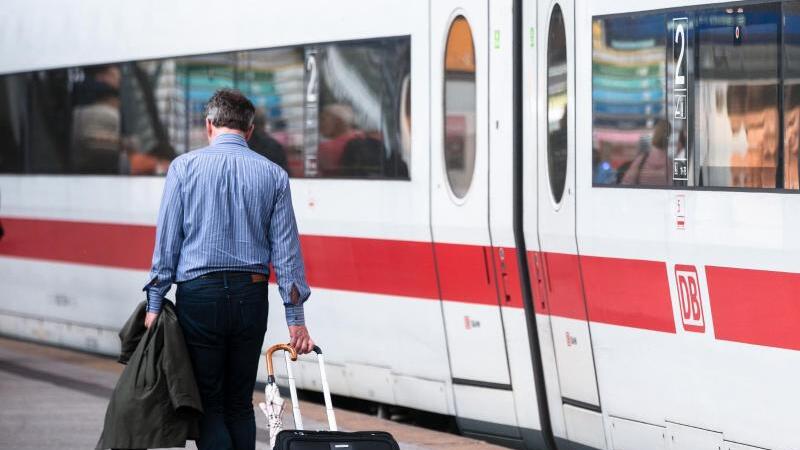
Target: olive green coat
155 403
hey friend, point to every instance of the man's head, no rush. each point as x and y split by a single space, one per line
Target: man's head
335 120
105 73
229 111
660 136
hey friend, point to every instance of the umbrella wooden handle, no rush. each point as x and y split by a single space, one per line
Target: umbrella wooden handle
275 348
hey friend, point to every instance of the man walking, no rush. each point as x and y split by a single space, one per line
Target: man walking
225 216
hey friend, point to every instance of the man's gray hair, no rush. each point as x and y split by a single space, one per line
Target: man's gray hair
231 109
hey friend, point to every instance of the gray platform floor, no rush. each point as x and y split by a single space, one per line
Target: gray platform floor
56 398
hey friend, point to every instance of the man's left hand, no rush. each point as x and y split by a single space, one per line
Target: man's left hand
150 319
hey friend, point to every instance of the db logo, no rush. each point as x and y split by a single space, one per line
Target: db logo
689 298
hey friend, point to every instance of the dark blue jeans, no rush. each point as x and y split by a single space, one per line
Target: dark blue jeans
224 320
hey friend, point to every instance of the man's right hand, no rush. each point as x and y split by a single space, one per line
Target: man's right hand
300 339
150 319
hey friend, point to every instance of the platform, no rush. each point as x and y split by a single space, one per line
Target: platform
56 398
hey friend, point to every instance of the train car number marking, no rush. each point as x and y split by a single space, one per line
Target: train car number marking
680 98
679 211
688 284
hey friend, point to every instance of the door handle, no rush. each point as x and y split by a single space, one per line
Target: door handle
541 284
546 268
501 254
486 265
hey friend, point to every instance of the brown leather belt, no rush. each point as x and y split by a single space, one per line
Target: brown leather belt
255 277
258 277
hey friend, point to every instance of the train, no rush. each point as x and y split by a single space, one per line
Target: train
565 223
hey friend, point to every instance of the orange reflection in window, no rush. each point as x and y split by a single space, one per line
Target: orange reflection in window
791 136
460 55
459 107
758 117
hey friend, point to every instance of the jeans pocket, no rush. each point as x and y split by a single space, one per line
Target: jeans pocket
253 314
197 319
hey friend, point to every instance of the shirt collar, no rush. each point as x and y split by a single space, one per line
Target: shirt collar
229 138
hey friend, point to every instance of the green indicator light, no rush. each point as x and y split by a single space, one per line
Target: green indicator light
496 38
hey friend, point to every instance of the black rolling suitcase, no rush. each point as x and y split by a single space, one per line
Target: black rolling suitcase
301 439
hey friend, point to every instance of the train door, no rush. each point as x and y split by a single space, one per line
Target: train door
557 262
459 211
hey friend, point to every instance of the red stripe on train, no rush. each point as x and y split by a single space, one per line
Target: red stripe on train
466 273
750 306
621 292
755 306
628 291
561 288
102 244
357 264
376 266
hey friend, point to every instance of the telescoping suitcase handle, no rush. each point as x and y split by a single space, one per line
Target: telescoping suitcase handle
290 354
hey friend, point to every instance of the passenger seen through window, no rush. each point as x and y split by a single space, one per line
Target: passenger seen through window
630 120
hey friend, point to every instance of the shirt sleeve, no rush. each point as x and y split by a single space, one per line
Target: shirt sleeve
169 238
286 256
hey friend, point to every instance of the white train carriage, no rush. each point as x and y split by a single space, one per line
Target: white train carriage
574 229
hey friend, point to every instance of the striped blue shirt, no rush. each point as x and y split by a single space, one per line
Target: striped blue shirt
225 207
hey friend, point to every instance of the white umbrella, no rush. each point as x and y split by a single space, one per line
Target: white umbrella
273 407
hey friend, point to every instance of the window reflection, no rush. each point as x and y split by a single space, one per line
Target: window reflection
734 104
12 123
791 94
273 80
630 126
153 119
96 121
736 96
459 107
360 109
44 121
557 135
134 118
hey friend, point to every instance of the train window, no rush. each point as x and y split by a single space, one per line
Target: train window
12 123
459 107
736 100
134 118
273 80
707 97
405 119
158 114
34 122
557 133
631 130
360 109
791 94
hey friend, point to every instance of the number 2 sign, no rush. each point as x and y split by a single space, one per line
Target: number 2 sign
691 304
679 51
679 97
311 113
